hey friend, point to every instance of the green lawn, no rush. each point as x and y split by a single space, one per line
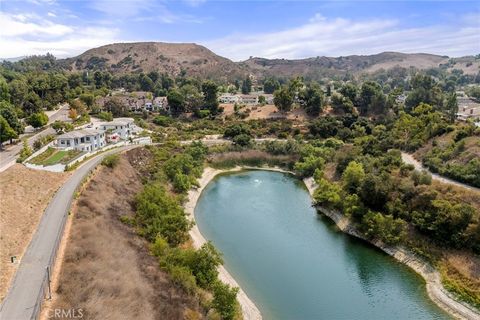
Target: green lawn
53 156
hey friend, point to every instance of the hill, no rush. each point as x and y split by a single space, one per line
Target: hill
356 64
196 60
170 58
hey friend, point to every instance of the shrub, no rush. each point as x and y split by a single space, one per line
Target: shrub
183 276
105 116
225 300
386 228
242 140
111 160
162 121
25 153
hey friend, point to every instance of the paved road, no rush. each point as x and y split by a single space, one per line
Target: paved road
409 159
21 300
9 155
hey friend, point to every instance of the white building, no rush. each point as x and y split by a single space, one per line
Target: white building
82 140
228 98
124 127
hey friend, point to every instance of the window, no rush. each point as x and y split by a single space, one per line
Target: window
87 138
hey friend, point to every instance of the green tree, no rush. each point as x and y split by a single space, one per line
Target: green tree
386 228
38 119
210 99
327 194
270 85
176 102
424 89
4 94
353 177
247 85
225 300
349 91
312 100
451 108
283 99
6 132
8 112
372 99
18 89
204 265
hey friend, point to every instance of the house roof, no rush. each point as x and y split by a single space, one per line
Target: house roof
79 133
118 122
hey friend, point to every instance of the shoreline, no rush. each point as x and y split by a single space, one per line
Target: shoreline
431 276
435 290
249 310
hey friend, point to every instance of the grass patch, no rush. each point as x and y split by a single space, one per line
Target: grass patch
53 156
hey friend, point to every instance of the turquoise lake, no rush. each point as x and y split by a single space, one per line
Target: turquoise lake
295 264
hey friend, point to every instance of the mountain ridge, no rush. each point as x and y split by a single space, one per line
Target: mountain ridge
197 60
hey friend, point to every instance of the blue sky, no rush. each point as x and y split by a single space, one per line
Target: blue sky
239 29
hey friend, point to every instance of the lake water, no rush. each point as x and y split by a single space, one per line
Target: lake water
294 264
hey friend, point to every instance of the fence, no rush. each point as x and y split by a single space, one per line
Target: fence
45 287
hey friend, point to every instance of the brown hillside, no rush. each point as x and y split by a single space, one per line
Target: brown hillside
327 66
196 60
170 58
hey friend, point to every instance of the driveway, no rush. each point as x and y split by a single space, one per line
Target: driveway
27 290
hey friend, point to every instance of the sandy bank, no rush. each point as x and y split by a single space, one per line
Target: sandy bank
435 289
249 309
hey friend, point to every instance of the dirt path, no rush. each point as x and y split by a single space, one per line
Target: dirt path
409 159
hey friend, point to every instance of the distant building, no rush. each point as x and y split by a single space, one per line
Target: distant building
228 98
82 140
468 109
124 127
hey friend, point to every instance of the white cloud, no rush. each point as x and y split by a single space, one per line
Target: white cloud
30 34
31 25
51 14
336 37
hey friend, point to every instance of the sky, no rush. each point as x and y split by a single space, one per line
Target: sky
240 29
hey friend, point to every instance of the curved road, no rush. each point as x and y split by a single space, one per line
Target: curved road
26 291
409 159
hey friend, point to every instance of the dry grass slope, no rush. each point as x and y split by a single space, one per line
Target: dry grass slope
24 195
107 270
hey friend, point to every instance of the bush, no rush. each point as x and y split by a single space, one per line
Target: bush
225 300
242 140
236 130
105 116
386 228
159 214
162 121
183 276
111 160
25 153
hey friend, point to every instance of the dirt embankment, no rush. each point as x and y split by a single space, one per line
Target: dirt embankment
106 268
24 195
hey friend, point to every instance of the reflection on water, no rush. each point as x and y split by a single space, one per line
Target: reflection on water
294 263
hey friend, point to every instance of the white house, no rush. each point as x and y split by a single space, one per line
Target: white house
124 127
228 98
82 140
